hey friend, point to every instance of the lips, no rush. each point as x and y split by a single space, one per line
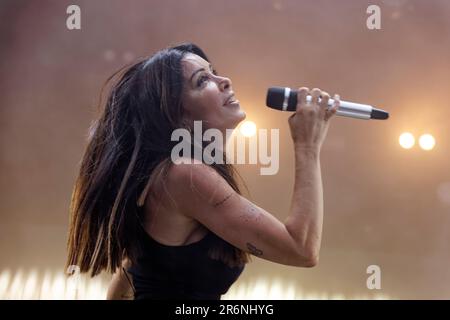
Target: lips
230 99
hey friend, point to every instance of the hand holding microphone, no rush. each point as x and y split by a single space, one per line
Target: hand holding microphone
285 99
315 108
309 124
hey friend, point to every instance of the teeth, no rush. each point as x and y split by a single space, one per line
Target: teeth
230 100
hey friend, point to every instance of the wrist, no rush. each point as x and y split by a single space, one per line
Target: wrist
308 149
307 155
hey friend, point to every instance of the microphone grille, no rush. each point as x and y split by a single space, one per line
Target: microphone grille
275 97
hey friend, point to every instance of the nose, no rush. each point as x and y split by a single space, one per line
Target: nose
224 84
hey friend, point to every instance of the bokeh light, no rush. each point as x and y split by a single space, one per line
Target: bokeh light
406 140
248 128
427 142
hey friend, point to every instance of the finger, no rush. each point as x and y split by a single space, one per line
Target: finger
315 94
324 98
301 95
336 103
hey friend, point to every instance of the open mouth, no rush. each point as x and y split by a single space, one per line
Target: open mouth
231 100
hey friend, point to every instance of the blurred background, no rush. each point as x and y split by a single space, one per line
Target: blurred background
387 195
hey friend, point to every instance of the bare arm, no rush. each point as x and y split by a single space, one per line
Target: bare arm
198 191
305 220
309 127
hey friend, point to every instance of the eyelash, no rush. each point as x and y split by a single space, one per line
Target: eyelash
200 80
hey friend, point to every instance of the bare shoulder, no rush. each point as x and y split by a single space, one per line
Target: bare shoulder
189 169
197 182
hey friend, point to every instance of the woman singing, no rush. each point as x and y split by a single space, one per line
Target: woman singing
184 231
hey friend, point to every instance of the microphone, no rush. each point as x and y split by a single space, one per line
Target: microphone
285 99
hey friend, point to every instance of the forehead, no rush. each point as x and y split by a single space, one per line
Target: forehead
192 62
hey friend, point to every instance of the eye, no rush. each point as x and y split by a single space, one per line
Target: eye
205 77
202 79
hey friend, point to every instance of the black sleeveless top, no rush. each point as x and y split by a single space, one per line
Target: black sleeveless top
181 272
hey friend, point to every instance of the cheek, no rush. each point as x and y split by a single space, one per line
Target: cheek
211 95
208 102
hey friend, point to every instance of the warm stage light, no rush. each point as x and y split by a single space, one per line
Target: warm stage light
406 140
36 285
248 128
427 142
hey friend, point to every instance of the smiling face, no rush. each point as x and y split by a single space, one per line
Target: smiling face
208 96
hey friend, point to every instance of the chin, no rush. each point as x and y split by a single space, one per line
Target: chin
239 118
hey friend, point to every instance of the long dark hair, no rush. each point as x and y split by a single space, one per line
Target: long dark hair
128 149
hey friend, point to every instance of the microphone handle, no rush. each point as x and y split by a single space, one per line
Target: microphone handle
346 108
350 109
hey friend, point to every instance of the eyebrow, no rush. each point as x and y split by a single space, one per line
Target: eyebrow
197 71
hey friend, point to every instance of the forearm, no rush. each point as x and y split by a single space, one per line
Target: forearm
305 220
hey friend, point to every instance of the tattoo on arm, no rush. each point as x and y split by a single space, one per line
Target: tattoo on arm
253 250
222 201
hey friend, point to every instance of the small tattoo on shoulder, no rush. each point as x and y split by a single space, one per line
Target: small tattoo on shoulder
253 250
222 201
